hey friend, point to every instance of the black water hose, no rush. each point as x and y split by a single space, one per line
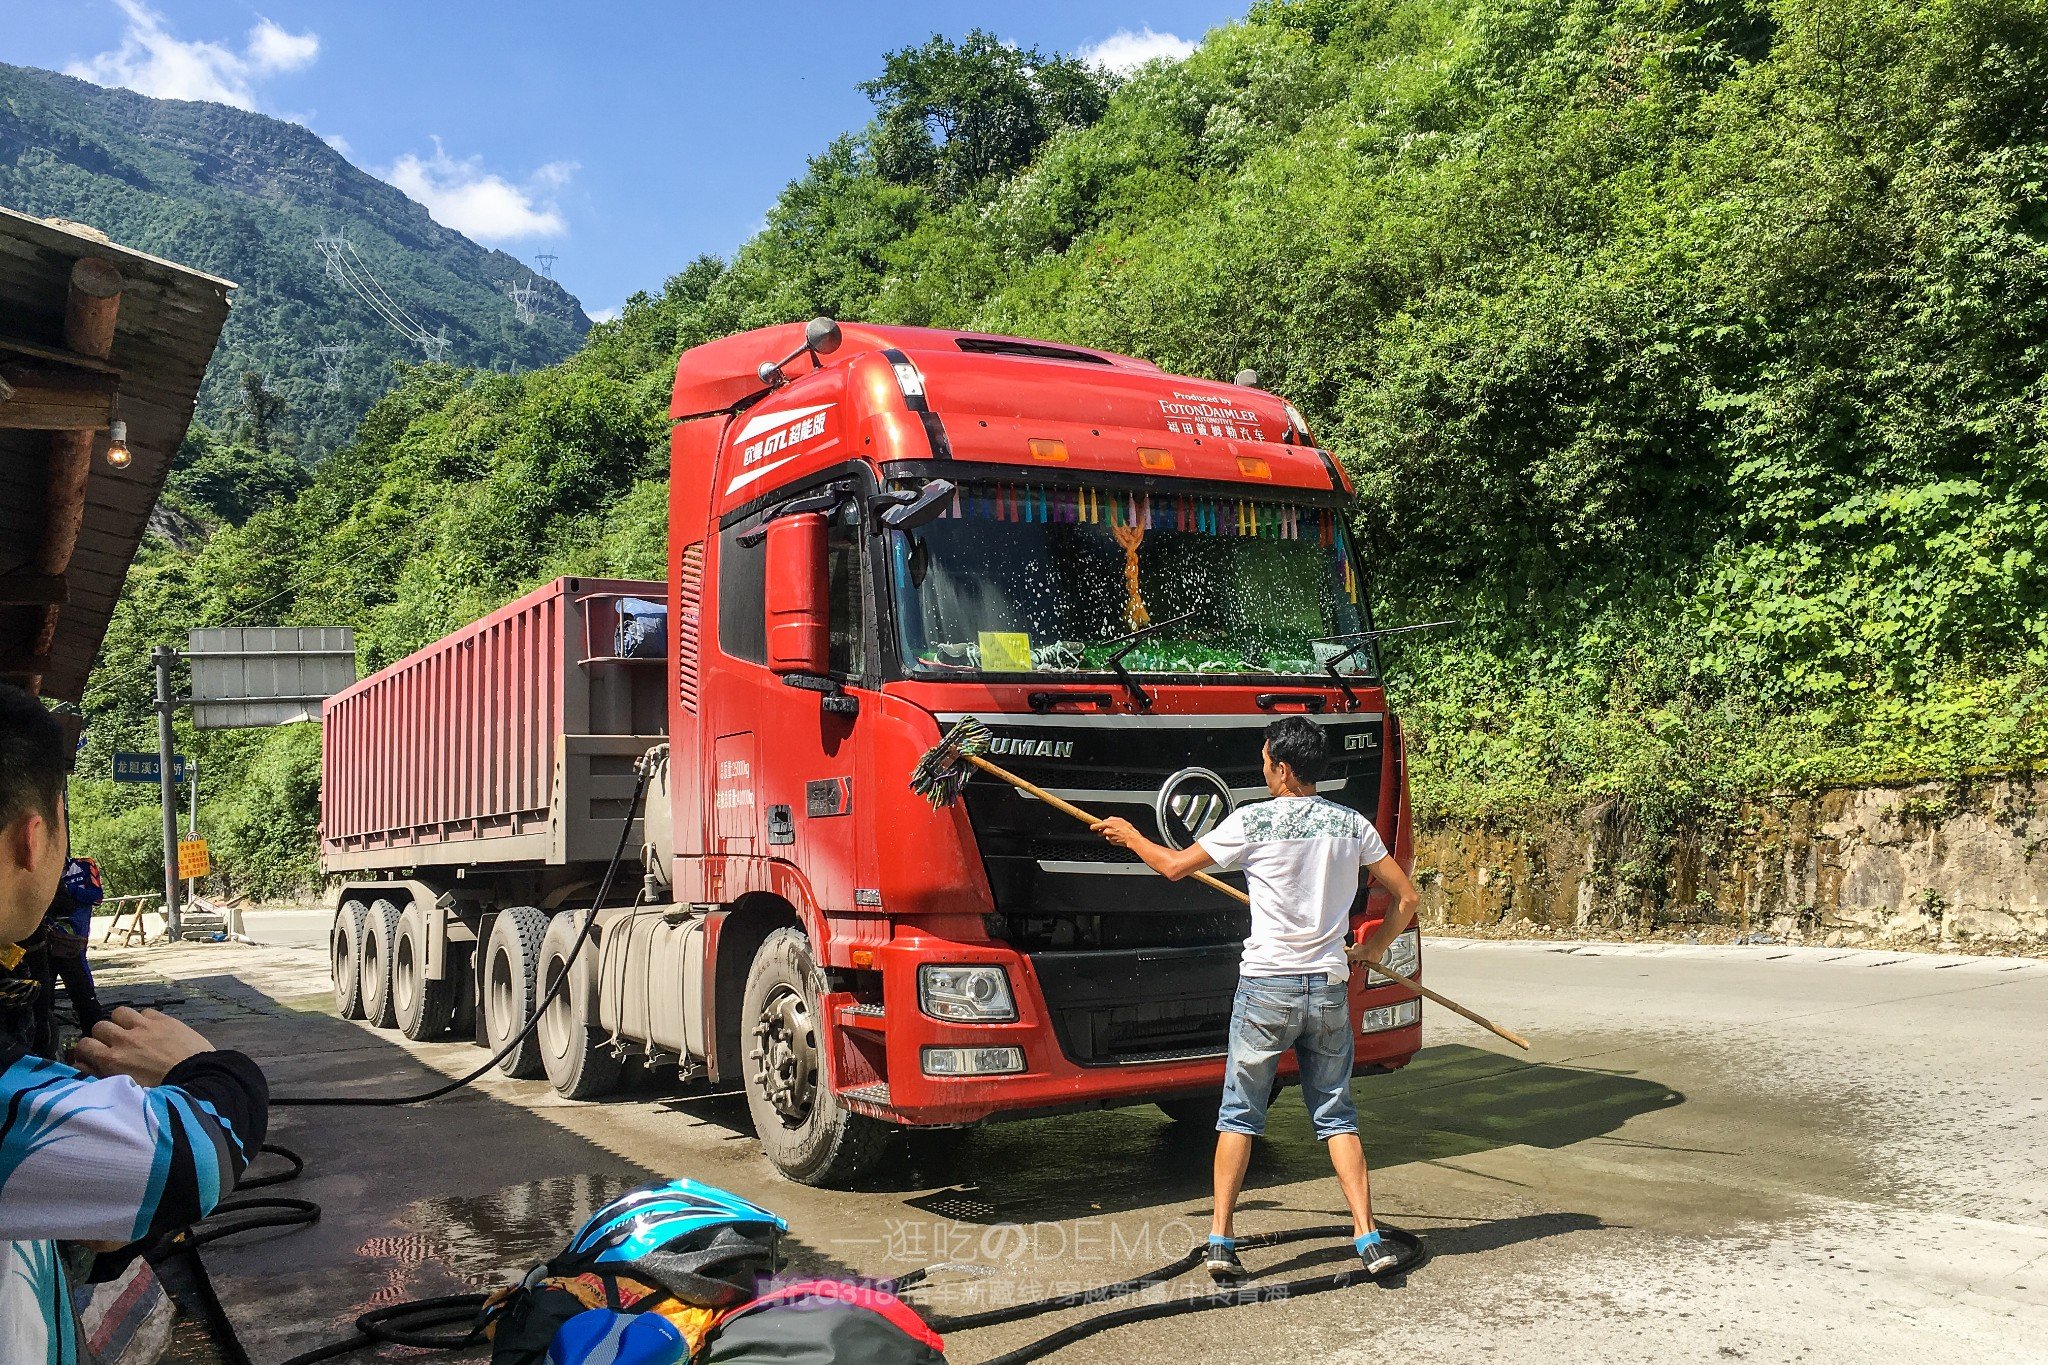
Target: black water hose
554 992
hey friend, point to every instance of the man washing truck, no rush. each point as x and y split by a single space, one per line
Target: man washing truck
1300 855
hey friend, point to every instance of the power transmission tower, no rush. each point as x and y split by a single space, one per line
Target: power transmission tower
435 346
522 300
332 357
547 261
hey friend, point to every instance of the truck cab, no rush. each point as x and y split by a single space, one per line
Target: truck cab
1125 575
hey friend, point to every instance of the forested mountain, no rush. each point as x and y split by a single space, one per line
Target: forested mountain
1694 353
247 197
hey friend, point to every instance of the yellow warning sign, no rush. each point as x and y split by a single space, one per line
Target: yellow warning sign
193 859
1005 651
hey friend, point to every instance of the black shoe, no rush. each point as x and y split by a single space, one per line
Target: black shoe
1224 1267
1376 1253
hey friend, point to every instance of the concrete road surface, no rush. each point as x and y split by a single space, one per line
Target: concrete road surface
1713 1154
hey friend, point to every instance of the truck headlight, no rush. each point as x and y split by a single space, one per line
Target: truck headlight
1390 1017
973 1061
1404 955
972 995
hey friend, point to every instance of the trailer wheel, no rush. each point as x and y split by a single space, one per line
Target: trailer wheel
345 956
579 1061
379 937
807 1133
511 964
424 1008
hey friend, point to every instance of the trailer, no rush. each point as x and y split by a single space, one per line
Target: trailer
1124 574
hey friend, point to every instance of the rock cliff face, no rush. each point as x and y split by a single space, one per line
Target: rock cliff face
1930 864
248 197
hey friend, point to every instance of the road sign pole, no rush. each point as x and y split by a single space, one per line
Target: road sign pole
167 784
191 819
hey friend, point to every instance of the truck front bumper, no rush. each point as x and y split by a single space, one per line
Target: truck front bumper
878 1060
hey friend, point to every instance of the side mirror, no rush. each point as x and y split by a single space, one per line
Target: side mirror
798 613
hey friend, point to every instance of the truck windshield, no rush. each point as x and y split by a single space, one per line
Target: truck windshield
1031 579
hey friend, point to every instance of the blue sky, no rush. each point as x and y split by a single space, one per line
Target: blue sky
623 136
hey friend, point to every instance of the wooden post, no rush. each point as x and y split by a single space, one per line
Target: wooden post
90 312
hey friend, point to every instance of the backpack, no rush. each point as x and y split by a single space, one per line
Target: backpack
824 1322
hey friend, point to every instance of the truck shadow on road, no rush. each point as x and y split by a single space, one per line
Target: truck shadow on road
1451 1101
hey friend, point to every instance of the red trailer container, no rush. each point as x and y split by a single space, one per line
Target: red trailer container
511 741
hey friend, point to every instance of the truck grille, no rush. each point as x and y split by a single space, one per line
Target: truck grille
1041 862
1138 1005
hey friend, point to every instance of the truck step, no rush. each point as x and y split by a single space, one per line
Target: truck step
863 1016
876 1093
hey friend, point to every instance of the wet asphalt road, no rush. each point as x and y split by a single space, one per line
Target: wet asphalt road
1713 1154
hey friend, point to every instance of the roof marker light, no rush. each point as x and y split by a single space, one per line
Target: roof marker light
1054 452
1254 467
908 378
1155 459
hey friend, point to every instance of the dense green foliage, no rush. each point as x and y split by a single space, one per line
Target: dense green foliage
1690 351
245 197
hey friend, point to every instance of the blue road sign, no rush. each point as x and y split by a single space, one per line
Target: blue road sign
146 768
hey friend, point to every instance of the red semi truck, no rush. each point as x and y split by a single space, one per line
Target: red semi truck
873 531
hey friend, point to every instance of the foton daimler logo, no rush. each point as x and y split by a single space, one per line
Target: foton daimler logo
1191 803
1032 748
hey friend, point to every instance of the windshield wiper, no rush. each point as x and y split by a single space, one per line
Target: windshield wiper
1139 696
1361 639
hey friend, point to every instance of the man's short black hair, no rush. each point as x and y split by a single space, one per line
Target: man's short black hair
1301 744
33 761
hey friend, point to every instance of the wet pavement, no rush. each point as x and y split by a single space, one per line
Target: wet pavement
1712 1154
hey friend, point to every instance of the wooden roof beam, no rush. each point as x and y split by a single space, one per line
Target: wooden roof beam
26 589
46 397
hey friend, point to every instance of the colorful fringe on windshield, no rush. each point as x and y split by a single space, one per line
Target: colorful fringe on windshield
1026 503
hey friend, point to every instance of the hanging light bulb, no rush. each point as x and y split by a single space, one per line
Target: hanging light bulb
117 446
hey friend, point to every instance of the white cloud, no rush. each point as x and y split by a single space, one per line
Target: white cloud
602 314
1124 51
480 203
152 61
339 143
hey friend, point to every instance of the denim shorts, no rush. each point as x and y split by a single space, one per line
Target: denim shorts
1309 1013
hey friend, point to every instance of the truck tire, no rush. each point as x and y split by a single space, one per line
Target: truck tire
511 965
345 956
424 1008
379 937
575 1052
807 1133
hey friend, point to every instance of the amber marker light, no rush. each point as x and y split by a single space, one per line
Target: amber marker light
117 446
1155 459
1254 467
1053 452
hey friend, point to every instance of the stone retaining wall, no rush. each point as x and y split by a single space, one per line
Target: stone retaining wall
1926 864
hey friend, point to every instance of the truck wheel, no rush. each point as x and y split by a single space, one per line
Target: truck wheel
807 1133
345 953
579 1061
379 935
510 963
424 1007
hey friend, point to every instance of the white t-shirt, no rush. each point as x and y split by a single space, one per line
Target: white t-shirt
1300 856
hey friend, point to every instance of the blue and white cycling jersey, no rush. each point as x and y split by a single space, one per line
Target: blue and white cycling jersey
107 1161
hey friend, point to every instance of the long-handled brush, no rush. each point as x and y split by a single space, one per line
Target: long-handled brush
942 774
